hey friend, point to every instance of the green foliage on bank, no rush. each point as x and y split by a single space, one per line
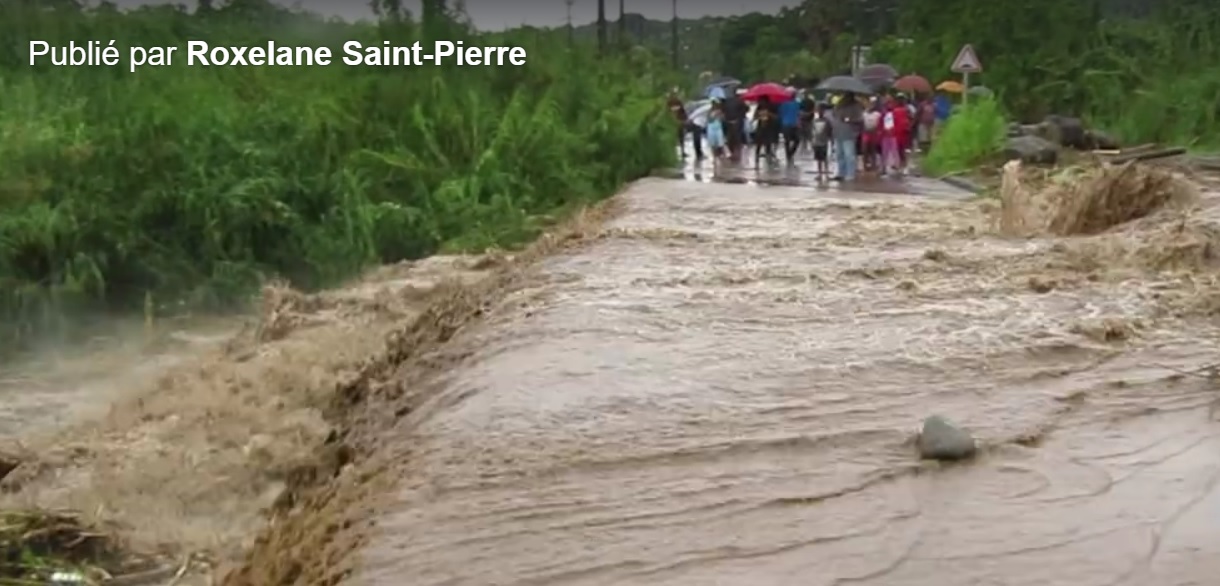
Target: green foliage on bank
195 184
974 133
1148 71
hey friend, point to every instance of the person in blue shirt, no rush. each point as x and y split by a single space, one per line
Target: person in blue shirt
944 107
790 126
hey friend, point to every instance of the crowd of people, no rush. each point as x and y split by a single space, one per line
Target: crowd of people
846 135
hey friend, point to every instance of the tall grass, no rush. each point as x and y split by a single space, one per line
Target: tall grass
193 184
975 132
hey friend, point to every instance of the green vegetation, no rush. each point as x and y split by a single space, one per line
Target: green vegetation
193 184
975 132
1147 70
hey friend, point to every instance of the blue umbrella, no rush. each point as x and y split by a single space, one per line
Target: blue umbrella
716 93
724 84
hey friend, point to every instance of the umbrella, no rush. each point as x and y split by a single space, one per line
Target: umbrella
772 91
697 112
843 84
724 84
913 84
980 91
952 87
716 92
878 76
878 70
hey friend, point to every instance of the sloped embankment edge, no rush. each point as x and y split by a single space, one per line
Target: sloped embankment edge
326 511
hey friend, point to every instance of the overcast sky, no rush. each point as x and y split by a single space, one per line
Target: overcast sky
498 14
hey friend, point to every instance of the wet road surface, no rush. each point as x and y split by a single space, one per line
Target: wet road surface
722 390
802 172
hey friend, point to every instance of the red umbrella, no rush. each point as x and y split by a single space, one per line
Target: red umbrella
913 84
772 91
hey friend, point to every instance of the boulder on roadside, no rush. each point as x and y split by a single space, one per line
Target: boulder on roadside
1101 140
1069 132
1031 149
941 440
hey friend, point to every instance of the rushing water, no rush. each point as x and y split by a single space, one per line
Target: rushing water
723 390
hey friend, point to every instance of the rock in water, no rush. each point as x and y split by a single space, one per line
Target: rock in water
1031 149
941 440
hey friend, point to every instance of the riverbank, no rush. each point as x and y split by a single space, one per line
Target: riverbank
193 453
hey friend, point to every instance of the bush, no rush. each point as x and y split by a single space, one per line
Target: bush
193 184
974 132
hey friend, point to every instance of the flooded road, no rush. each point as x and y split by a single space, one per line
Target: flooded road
722 389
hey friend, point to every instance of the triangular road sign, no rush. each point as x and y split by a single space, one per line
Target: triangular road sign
967 61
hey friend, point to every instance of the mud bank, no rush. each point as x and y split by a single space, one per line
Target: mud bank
720 386
184 451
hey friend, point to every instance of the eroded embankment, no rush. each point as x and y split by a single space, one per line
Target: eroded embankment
195 450
721 386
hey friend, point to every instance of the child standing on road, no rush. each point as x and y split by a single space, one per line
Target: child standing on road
716 138
870 140
820 141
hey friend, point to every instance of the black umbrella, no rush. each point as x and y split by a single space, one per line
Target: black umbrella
843 84
879 77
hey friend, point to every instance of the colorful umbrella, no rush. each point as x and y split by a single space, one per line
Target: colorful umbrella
952 87
913 84
772 91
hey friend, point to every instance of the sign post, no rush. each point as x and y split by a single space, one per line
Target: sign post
967 62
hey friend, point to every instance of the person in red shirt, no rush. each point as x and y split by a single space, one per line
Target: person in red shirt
895 130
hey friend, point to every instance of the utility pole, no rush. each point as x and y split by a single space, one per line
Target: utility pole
601 26
571 31
622 26
673 33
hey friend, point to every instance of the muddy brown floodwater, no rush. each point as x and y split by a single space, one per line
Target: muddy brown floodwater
723 387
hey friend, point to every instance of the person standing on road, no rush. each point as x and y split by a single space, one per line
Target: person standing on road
766 130
735 113
927 121
716 138
809 109
678 110
870 140
894 129
790 122
943 106
820 141
846 124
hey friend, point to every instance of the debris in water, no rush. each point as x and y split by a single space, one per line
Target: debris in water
39 547
941 440
1087 200
1108 329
